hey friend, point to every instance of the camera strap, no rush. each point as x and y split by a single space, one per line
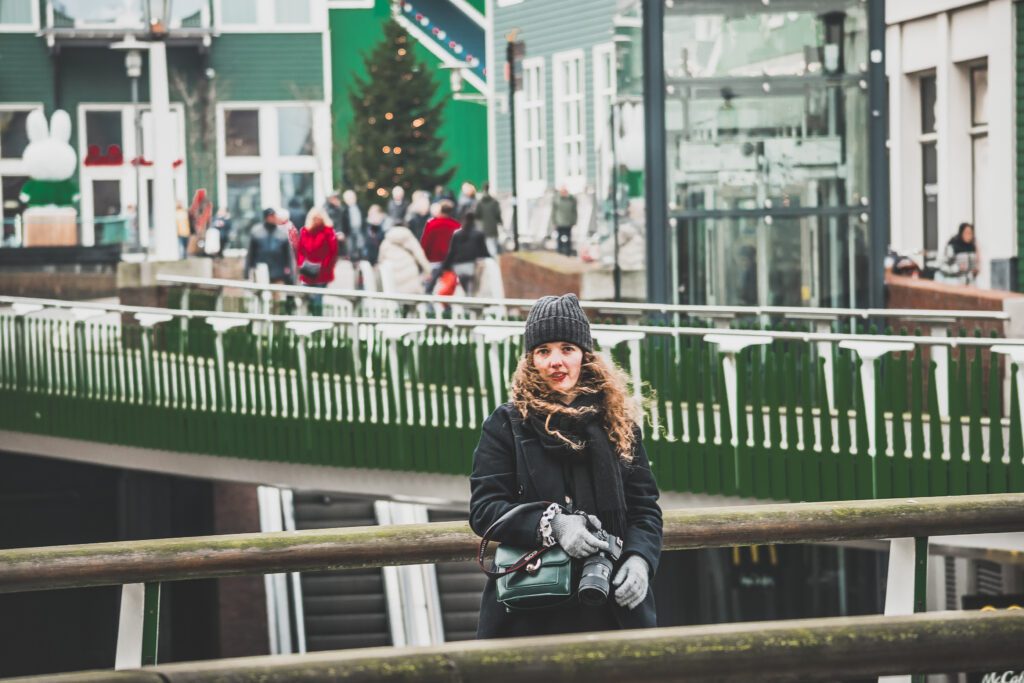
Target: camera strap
521 563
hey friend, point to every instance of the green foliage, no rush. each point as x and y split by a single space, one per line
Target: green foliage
394 138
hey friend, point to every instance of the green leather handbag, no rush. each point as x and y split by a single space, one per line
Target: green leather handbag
526 578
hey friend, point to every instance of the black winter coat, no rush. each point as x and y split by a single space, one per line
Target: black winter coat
507 474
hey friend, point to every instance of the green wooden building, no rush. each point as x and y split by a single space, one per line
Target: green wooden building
259 95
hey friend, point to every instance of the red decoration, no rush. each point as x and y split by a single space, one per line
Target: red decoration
94 157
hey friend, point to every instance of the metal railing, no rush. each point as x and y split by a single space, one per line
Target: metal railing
153 561
788 415
720 313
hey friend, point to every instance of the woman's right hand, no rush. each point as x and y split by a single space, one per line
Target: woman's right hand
571 532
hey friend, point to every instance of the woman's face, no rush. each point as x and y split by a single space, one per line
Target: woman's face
559 365
968 234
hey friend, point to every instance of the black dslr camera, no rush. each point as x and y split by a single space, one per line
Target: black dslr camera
595 580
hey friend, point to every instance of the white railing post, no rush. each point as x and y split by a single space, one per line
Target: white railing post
869 352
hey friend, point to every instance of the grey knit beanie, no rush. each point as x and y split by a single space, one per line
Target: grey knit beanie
558 318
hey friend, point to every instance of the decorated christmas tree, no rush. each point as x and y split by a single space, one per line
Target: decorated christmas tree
394 139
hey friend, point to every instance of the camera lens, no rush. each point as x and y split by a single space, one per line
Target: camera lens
595 580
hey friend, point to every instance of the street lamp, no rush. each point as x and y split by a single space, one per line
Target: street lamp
157 16
133 66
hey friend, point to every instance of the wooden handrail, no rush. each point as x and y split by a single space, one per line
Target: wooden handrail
101 564
805 650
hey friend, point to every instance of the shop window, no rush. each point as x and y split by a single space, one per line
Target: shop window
242 133
103 136
244 202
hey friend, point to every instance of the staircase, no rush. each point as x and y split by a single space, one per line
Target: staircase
342 609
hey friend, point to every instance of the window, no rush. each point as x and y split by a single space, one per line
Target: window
979 96
291 12
570 158
242 132
979 145
534 154
604 98
243 190
13 134
103 130
250 15
297 194
239 12
294 131
17 14
269 157
929 163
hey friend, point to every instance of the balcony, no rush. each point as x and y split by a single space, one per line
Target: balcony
84 22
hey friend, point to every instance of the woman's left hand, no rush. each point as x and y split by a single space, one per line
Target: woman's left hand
631 581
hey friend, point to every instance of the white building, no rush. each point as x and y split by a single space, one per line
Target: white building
952 139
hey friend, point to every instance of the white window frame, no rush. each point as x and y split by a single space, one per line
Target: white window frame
126 173
269 165
31 27
532 148
13 167
568 171
265 22
605 90
509 3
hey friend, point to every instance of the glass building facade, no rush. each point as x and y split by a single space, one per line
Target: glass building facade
766 130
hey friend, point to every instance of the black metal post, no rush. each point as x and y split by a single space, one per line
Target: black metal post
510 58
658 257
617 270
878 101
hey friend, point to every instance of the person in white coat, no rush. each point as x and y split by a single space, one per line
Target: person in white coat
404 260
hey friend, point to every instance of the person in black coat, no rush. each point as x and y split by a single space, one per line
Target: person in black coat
567 456
468 244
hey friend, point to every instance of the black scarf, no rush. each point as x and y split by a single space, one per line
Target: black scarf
595 467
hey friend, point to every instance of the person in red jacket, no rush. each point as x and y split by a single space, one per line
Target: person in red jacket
316 254
437 235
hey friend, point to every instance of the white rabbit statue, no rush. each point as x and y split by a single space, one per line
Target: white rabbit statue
51 192
50 160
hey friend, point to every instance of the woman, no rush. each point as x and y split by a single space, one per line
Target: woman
468 244
961 261
419 212
402 257
568 443
316 251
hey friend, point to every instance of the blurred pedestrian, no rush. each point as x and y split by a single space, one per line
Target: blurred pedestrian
419 212
398 205
352 224
184 224
467 200
488 213
961 262
377 222
269 245
222 224
336 214
441 193
467 245
437 235
563 218
402 256
316 255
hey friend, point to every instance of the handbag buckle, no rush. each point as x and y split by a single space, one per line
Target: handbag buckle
533 567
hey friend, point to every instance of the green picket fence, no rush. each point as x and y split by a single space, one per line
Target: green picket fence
408 395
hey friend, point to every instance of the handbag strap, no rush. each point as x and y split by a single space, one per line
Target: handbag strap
523 561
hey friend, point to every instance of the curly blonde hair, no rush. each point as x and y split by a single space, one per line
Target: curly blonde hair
621 413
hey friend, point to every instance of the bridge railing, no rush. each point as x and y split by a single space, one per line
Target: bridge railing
776 414
908 522
363 302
